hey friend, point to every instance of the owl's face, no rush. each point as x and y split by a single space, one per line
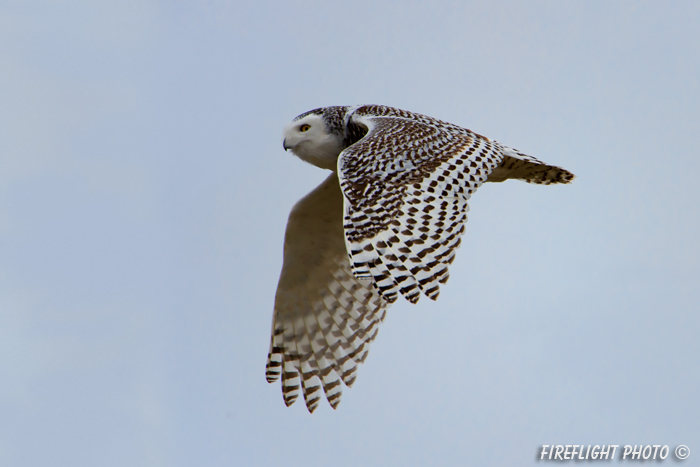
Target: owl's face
310 140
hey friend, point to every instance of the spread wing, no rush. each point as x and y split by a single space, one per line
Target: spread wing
406 185
324 316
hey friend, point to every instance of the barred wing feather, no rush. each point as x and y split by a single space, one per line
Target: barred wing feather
406 187
324 316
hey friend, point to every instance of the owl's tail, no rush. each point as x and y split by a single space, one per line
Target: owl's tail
519 166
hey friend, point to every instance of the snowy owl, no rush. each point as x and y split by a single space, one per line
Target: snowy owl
386 222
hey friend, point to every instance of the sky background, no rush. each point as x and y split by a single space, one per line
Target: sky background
144 194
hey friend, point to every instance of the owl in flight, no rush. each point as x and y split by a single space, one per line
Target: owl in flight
386 222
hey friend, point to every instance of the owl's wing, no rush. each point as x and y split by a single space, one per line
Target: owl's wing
324 316
406 185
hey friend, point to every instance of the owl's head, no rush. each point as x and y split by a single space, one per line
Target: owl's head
310 138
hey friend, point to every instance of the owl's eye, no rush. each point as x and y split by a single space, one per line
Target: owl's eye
304 128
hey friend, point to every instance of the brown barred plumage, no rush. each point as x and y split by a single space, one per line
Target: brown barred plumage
324 317
387 222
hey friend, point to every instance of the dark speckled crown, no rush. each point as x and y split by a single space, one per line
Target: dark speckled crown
333 116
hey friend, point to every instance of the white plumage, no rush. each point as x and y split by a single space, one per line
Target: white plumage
386 222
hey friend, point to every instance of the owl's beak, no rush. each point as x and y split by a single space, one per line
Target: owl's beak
284 144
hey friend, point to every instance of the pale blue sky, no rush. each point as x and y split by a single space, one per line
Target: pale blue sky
144 194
